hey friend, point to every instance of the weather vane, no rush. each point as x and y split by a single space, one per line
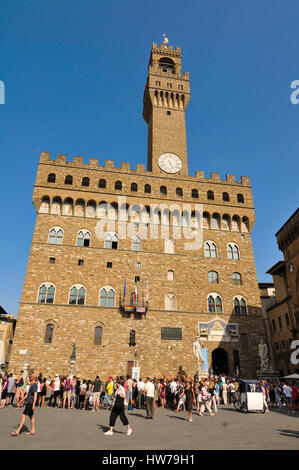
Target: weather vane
165 40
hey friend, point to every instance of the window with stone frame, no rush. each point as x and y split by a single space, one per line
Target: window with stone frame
77 295
49 333
98 331
46 294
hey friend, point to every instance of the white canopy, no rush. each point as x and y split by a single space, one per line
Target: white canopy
293 376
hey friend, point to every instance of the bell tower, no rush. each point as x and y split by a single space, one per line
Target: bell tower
166 96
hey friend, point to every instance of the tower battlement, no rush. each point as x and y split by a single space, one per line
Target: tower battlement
45 158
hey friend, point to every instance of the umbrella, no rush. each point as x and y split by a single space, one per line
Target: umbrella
293 376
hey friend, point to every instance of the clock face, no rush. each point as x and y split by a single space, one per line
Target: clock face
170 163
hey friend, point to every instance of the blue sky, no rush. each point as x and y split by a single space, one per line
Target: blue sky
74 75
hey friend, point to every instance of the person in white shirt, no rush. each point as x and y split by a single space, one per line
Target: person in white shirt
287 391
56 389
173 389
149 389
140 396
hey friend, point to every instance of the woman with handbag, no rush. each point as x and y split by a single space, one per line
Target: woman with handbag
118 410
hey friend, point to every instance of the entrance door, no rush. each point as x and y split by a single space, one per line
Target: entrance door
220 361
130 365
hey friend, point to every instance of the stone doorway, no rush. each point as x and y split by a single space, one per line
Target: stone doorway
129 368
220 361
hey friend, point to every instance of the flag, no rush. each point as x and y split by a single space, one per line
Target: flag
146 298
125 288
135 295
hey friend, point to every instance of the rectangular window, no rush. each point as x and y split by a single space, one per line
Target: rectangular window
180 87
277 346
138 265
158 83
80 262
273 325
171 333
170 275
287 319
52 260
169 85
109 264
283 343
137 279
280 323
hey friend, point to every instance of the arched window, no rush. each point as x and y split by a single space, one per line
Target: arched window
111 241
136 243
179 192
194 193
170 302
237 279
68 179
240 307
170 275
77 295
85 181
55 236
210 195
107 297
225 197
102 183
134 187
210 250
83 238
163 190
98 335
51 178
49 333
213 277
240 198
147 188
167 64
233 251
118 185
46 293
215 303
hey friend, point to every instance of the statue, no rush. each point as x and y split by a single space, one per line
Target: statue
165 40
263 355
200 364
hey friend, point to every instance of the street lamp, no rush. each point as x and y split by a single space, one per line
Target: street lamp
72 359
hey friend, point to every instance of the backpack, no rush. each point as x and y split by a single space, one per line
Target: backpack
67 384
21 382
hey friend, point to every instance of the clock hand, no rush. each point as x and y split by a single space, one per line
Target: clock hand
169 163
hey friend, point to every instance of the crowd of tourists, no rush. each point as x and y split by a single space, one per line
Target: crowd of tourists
121 393
168 392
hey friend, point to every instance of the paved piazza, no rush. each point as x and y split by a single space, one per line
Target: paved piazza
78 430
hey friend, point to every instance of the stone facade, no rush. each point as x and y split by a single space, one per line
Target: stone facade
283 311
7 329
227 215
